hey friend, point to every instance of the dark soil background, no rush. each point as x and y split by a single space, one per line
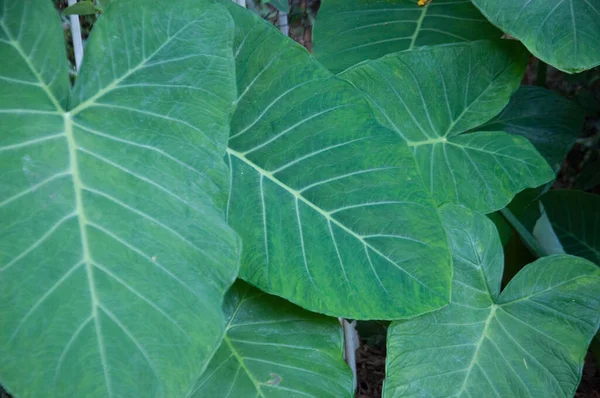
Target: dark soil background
580 170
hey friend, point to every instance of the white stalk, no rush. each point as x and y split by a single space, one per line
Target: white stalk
76 35
240 3
545 235
351 344
282 22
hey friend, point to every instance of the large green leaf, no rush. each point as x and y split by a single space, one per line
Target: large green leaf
563 33
529 341
575 218
431 96
115 255
330 207
551 122
348 32
272 348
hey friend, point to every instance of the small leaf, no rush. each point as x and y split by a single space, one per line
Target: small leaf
432 96
528 341
348 32
280 5
81 8
564 34
272 348
575 218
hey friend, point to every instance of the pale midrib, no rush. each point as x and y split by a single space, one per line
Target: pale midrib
240 360
327 215
90 101
413 39
479 344
82 221
234 352
34 70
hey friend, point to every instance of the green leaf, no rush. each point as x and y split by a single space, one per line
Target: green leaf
551 122
431 96
115 253
529 341
103 4
281 5
272 348
331 210
564 34
81 8
348 32
504 229
575 218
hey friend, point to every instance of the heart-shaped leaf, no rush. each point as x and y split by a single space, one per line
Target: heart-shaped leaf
529 341
272 348
565 34
329 205
551 122
115 255
431 96
575 218
348 32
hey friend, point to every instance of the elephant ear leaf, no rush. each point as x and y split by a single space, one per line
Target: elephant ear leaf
528 340
115 252
432 97
575 218
564 34
273 348
329 205
348 32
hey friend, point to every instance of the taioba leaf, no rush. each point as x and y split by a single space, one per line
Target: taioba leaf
429 97
84 7
281 5
551 122
348 32
115 255
575 218
565 34
272 348
528 341
329 205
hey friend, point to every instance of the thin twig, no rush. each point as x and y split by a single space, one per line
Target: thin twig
76 35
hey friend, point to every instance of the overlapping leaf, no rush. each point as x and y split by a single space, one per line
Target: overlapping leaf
115 255
348 32
575 218
528 341
272 348
551 122
563 33
431 96
330 207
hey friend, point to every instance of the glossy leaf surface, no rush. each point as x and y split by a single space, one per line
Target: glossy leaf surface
575 218
273 348
564 34
348 32
431 96
528 341
115 255
329 205
551 122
